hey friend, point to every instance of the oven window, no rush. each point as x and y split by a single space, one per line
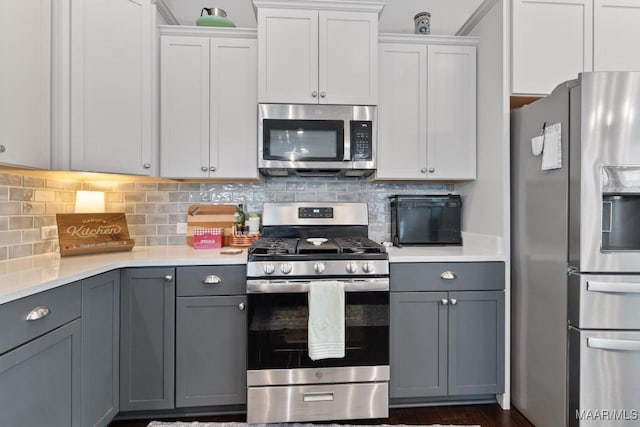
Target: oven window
277 331
299 140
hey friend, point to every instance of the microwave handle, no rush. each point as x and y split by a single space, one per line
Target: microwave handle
346 156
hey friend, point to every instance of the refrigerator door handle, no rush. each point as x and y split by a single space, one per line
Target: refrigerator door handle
613 287
609 344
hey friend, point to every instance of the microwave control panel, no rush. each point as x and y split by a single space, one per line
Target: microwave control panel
361 140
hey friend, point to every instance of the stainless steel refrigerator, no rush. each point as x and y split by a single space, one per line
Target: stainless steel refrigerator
576 253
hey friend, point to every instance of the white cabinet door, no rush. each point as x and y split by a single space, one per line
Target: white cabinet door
551 43
234 114
451 112
111 86
25 66
184 110
402 113
616 35
288 56
348 57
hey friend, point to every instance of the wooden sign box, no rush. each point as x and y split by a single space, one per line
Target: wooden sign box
92 233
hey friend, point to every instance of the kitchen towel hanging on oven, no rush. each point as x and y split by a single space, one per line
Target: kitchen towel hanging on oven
326 320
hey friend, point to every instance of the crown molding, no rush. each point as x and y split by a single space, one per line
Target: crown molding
476 17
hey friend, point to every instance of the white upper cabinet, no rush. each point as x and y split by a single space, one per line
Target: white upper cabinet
616 35
427 111
112 83
25 66
451 112
551 43
325 55
402 113
208 103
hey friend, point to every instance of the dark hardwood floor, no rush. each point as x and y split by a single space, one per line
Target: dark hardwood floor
483 415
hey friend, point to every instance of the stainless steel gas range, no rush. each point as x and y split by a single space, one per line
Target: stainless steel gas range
307 245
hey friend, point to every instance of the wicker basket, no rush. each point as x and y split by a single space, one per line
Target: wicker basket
243 240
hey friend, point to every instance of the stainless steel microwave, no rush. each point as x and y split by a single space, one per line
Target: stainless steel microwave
316 140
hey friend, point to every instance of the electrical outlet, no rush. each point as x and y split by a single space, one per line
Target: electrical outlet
181 228
48 232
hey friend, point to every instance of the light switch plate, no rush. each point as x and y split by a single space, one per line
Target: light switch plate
181 228
48 232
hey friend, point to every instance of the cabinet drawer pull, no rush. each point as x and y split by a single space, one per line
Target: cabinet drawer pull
3 148
448 275
317 397
212 280
453 301
38 313
147 166
168 278
241 306
314 94
323 94
444 301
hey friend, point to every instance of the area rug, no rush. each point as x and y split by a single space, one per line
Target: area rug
199 424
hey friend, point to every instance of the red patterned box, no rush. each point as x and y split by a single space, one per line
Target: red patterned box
207 238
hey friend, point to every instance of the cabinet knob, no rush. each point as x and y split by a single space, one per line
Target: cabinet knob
212 279
204 168
147 166
453 301
212 168
168 278
323 94
3 148
431 170
444 301
423 170
448 275
38 313
314 94
241 306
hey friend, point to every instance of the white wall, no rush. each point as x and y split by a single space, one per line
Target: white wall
447 16
487 199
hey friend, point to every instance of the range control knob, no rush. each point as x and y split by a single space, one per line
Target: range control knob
318 267
352 267
368 268
286 268
269 268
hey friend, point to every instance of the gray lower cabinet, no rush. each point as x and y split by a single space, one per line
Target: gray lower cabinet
211 351
211 336
446 341
100 348
147 338
40 380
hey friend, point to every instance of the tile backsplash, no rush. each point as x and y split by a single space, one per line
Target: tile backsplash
153 209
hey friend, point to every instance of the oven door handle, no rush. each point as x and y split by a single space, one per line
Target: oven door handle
302 286
613 287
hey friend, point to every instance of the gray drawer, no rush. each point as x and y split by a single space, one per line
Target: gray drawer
191 281
464 276
64 304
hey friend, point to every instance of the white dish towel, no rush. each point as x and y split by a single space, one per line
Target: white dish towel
326 320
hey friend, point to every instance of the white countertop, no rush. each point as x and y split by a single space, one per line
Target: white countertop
26 276
475 248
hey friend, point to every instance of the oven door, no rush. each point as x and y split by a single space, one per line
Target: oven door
278 318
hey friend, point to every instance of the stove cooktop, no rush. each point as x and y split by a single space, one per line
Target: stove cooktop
342 247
